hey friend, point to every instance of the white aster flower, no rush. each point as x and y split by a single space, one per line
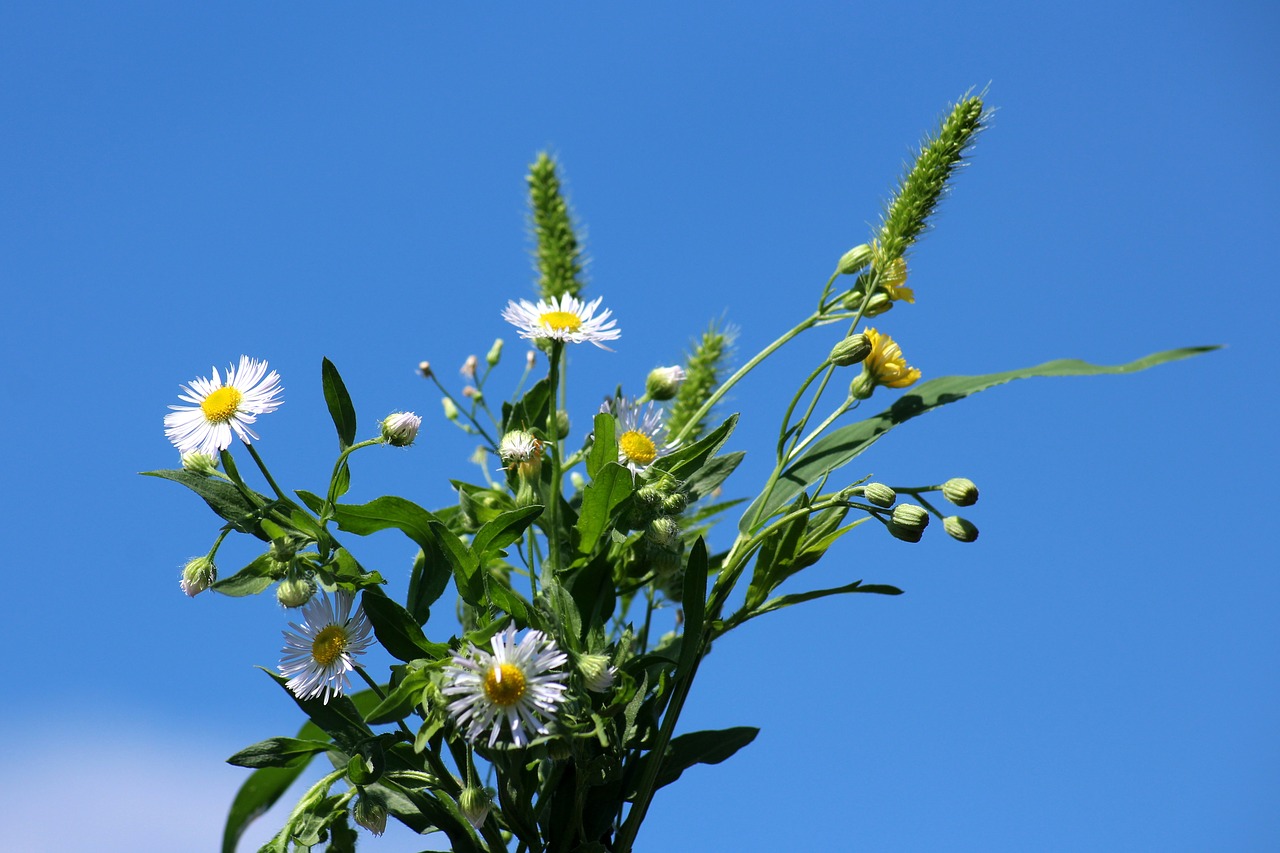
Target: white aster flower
319 654
513 688
400 429
221 408
567 318
638 434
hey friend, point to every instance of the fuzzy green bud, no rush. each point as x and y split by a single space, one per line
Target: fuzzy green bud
664 532
650 496
863 385
908 522
879 494
854 259
494 355
674 503
960 491
960 528
475 803
295 592
399 429
663 383
597 673
562 424
203 464
198 575
450 408
370 814
850 351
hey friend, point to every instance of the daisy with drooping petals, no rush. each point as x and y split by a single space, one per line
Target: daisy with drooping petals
221 408
638 434
514 688
567 318
320 654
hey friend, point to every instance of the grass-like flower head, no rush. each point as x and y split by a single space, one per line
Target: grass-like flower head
515 688
886 364
223 409
319 654
641 435
562 318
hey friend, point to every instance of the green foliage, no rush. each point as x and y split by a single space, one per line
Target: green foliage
614 572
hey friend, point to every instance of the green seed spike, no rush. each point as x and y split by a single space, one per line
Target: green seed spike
560 258
704 371
922 187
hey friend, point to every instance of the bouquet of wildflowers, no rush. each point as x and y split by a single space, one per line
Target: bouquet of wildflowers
545 716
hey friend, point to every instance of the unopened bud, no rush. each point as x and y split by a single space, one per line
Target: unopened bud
450 408
530 359
674 503
854 259
471 392
960 491
468 368
494 355
664 532
399 429
562 423
906 534
424 367
199 463
597 673
198 575
911 516
878 304
879 494
475 803
863 385
578 481
850 351
960 528
370 814
663 383
295 592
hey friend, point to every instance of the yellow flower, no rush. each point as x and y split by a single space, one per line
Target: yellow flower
885 366
893 279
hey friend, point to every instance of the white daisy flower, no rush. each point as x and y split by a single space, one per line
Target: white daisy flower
221 408
638 434
513 688
320 656
400 429
567 318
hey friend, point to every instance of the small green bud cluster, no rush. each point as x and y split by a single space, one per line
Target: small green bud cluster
559 257
908 522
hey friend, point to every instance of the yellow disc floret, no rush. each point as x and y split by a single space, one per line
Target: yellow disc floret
221 405
328 645
637 447
504 684
560 321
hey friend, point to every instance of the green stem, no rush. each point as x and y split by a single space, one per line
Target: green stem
476 424
554 490
265 473
331 497
381 694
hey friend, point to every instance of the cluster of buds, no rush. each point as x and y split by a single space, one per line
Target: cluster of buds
909 521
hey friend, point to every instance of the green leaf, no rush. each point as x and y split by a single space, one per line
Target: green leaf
250 580
222 497
842 445
604 444
511 602
339 403
706 747
400 701
423 528
396 629
531 411
682 463
601 499
258 794
778 552
712 474
695 608
427 581
502 531
800 597
314 502
339 717
278 752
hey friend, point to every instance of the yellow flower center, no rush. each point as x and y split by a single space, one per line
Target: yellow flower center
504 685
328 645
221 405
637 447
560 321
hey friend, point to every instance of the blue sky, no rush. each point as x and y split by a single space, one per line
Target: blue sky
180 184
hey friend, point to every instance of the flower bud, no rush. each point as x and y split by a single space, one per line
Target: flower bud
597 673
663 383
862 386
879 494
663 532
530 359
475 803
494 355
578 481
960 491
450 408
399 429
960 528
468 368
906 534
424 367
911 517
198 575
878 304
854 260
562 423
850 351
199 463
360 770
473 393
295 592
370 814
521 450
559 749
674 503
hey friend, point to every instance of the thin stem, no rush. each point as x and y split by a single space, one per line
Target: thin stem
468 415
381 694
553 495
265 473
